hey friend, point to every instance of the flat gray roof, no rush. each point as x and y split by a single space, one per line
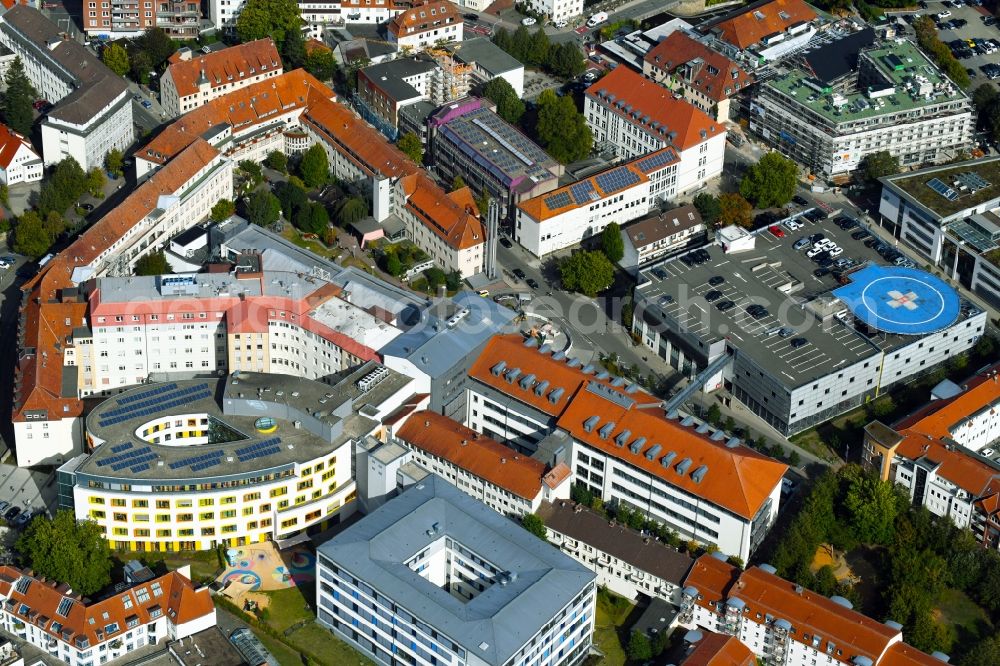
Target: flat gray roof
496 623
327 415
762 276
486 55
388 76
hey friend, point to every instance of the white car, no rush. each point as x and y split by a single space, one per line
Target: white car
527 20
793 225
836 251
943 15
814 250
561 24
987 452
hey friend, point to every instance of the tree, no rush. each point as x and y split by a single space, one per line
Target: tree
312 218
713 414
222 210
30 236
116 59
734 209
794 458
66 183
96 180
984 96
114 162
534 524
984 653
277 161
457 183
562 129
315 166
410 144
320 63
351 210
612 243
708 207
872 506
566 60
263 208
251 172
509 105
435 277
268 18
770 182
393 266
877 165
293 50
587 272
67 551
154 263
17 100
639 648
538 48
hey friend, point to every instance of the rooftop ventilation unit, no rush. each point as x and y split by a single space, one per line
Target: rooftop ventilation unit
606 430
573 362
559 356
703 428
603 374
732 442
530 343
653 452
699 474
683 466
718 435
555 395
541 386
667 459
512 375
546 348
591 423
672 414
527 381
587 369
369 381
498 369
618 382
688 420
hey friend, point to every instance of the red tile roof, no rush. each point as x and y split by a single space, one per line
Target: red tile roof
49 321
456 224
555 374
720 650
901 654
736 478
423 17
178 601
712 73
226 67
647 98
10 142
255 104
758 21
482 456
545 206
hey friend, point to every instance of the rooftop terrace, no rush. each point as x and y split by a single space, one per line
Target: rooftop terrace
915 186
910 81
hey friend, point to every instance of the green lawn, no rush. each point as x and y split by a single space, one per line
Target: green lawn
204 563
612 611
968 620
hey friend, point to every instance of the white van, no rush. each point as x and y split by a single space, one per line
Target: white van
597 19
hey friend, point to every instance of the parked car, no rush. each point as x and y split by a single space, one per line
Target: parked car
518 273
531 283
660 273
146 104
836 251
722 306
776 231
801 243
11 513
506 242
470 17
4 506
716 280
713 295
798 342
560 24
987 452
527 20
800 200
820 272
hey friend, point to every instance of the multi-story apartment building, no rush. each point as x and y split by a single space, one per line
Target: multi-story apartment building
898 102
434 575
940 456
783 623
192 80
622 447
180 194
120 18
190 465
77 631
386 88
566 216
626 562
705 77
426 23
180 19
951 216
557 10
247 123
504 480
93 109
489 61
635 116
660 235
19 163
766 29
494 158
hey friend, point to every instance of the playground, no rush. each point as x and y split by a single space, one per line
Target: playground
827 555
263 568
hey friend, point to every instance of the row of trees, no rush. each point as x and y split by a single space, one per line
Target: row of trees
562 129
927 38
534 49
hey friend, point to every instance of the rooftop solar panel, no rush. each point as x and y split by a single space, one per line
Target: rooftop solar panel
942 189
558 200
657 160
616 179
583 192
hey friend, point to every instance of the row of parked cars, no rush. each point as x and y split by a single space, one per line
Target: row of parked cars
17 517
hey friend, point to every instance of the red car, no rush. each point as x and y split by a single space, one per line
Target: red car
776 231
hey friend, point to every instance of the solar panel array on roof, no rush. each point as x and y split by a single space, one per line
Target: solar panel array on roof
583 192
194 461
130 457
155 405
121 447
942 189
653 161
557 200
616 179
126 399
971 180
259 450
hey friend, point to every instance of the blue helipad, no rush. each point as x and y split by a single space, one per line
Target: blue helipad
906 301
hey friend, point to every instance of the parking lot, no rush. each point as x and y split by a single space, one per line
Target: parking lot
974 28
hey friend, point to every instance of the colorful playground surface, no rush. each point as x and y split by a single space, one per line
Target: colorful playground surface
262 567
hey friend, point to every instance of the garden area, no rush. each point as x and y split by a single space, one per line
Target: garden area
861 538
837 434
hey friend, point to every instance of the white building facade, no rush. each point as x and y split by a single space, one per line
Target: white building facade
19 163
